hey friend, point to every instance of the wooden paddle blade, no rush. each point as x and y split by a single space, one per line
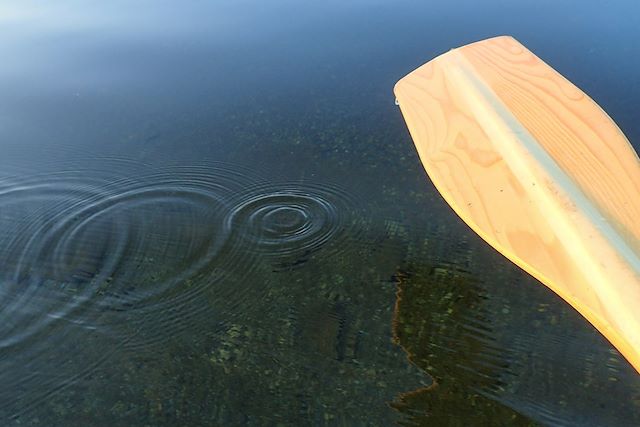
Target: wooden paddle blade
539 171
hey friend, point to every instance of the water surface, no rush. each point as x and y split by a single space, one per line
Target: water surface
211 213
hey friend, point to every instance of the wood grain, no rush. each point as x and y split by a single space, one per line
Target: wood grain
539 171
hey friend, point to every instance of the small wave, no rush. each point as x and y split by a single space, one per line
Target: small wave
116 252
86 252
75 245
289 222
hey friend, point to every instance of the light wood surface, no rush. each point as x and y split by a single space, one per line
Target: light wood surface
539 171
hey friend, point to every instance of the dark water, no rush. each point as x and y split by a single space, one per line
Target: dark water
211 213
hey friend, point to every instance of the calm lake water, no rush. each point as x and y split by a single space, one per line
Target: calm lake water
211 213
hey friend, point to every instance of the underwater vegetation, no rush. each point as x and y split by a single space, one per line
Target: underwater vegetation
453 343
500 347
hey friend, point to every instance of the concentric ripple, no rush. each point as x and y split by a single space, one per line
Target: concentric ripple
87 251
77 248
289 222
129 255
72 246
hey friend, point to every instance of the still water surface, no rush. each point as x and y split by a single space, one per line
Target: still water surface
211 213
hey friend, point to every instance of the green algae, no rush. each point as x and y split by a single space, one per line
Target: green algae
442 325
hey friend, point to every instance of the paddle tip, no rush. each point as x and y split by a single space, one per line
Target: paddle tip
505 40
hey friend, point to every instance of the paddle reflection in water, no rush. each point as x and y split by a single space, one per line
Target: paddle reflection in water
498 348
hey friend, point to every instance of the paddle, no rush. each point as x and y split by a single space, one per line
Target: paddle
539 171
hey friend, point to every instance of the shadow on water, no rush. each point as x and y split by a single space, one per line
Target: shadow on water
502 349
454 344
